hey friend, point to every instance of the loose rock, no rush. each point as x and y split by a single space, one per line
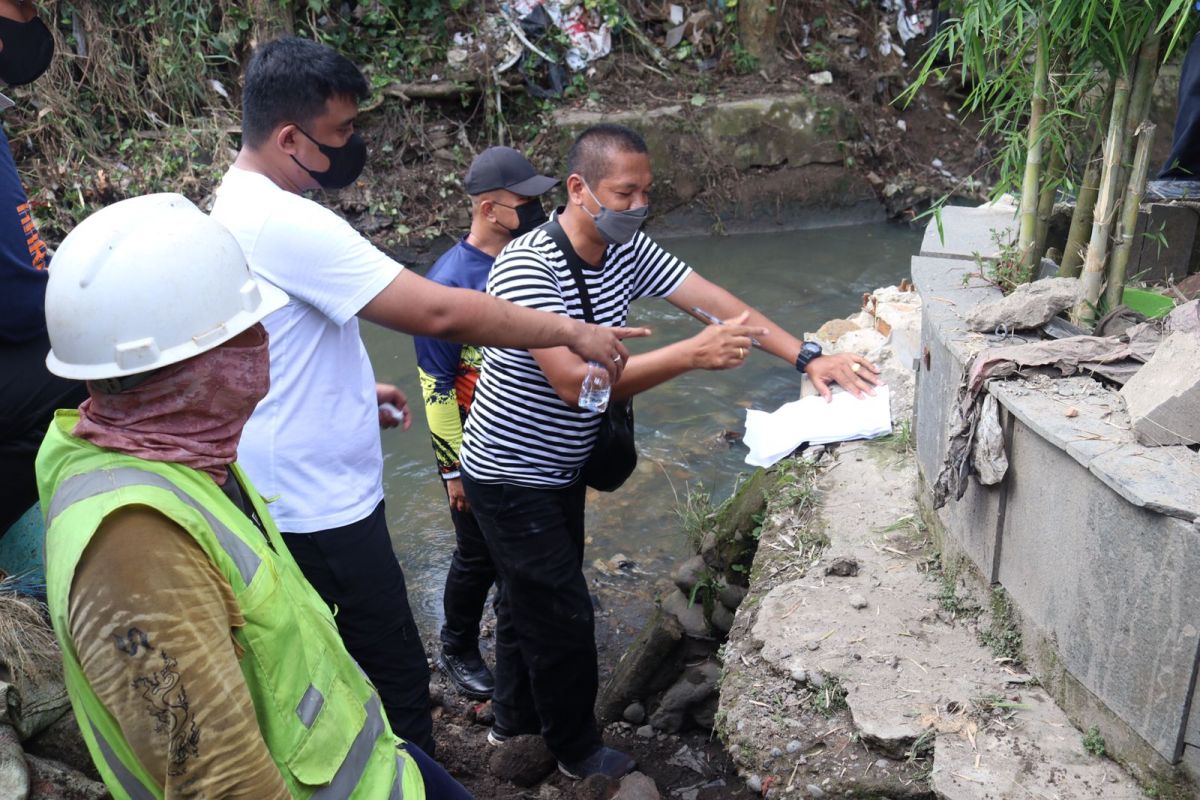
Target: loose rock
635 713
523 760
637 786
844 567
858 601
1029 306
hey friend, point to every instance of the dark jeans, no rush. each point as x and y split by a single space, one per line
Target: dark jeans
470 578
29 395
546 673
355 570
438 783
1184 161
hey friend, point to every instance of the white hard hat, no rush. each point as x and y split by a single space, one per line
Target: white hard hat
145 283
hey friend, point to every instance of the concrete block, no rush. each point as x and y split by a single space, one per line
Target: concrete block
971 232
1116 587
1095 428
1164 239
974 524
937 275
1163 396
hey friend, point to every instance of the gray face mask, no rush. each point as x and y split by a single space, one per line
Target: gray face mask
617 227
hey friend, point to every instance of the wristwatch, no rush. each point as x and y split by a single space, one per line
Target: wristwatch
808 351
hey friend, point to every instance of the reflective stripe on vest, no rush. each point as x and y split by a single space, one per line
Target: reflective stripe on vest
90 484
351 771
132 786
397 792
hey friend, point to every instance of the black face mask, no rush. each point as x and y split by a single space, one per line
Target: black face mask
345 163
529 216
28 48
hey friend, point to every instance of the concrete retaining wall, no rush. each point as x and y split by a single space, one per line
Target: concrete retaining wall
1094 537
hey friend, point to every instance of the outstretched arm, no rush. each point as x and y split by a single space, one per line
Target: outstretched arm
837 368
415 305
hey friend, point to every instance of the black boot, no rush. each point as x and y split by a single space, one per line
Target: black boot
468 672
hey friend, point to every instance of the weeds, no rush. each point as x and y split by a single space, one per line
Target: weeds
1006 271
1003 635
901 439
696 514
1093 742
831 697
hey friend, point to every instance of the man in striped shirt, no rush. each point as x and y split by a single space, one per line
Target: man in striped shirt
526 439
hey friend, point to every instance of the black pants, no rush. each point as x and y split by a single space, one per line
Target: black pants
355 570
546 673
29 395
470 578
1184 161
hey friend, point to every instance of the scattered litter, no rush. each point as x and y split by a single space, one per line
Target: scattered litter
821 78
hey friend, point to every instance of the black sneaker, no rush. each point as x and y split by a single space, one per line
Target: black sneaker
469 674
604 761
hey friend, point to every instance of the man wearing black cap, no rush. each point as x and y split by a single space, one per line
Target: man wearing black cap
504 188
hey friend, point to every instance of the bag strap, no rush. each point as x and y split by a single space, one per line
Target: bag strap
555 231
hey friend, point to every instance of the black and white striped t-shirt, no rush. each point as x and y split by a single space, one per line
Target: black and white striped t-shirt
519 431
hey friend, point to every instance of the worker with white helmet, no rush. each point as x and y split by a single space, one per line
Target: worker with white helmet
198 660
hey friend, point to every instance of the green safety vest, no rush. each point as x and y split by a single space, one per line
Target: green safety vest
320 717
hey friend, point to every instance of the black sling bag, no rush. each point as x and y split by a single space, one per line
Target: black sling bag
614 455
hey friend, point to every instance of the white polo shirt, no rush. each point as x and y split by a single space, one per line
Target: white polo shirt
313 442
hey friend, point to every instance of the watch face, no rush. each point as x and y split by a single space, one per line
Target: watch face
810 350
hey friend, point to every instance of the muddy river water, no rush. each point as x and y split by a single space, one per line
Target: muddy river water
800 279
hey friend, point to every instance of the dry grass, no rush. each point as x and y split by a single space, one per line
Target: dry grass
27 645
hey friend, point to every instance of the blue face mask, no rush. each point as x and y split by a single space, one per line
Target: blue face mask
617 227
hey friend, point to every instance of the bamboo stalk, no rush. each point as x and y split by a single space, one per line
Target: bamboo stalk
1115 290
1141 92
1092 276
1085 199
1033 156
1050 179
1081 220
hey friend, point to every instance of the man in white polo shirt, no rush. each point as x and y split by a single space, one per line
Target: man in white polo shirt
312 445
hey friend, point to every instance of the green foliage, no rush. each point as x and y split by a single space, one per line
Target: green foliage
1093 742
831 697
1006 270
743 61
143 95
947 596
1003 635
1090 43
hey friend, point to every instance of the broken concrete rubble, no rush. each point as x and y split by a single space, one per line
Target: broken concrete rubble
1162 397
1029 306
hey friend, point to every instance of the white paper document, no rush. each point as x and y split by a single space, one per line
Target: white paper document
772 436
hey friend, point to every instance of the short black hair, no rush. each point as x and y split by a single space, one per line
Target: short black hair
588 156
289 80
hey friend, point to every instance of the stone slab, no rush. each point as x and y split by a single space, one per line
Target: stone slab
1029 752
1158 479
968 232
1099 425
1117 587
1163 396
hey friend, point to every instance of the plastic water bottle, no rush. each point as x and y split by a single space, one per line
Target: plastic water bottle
597 387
